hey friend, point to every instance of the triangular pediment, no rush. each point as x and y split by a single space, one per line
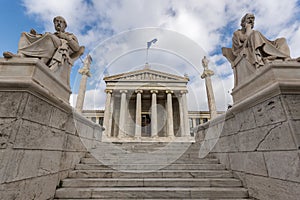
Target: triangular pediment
146 75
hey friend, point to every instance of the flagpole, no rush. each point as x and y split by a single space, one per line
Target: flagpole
148 46
147 55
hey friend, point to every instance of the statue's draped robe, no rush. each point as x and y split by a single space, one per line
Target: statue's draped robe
47 46
257 46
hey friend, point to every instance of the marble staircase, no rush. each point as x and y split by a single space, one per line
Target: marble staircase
187 177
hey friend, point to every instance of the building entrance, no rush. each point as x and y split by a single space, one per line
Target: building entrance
146 125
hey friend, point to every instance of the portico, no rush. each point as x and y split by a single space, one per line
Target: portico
146 104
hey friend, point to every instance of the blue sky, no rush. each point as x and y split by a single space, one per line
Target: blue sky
115 33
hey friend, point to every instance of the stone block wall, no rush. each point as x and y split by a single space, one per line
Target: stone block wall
40 141
260 144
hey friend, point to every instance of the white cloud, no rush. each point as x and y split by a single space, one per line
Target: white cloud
94 100
188 29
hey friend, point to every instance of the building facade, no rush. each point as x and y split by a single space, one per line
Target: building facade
146 104
195 117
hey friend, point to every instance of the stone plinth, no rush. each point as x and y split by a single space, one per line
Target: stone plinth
258 138
41 138
25 73
267 81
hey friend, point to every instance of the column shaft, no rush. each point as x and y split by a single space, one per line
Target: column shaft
210 98
170 126
123 108
107 113
138 114
185 114
181 115
194 122
81 93
154 131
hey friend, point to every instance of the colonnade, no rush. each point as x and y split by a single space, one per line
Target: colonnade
123 115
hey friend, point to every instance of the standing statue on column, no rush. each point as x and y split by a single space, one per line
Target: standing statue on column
207 73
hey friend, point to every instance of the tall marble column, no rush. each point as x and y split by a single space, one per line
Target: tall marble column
123 109
194 122
138 114
154 130
107 113
184 119
85 72
170 126
110 117
207 73
185 113
181 115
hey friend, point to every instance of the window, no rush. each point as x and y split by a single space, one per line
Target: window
205 120
197 121
94 119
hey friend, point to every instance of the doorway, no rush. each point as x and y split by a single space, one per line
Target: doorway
146 125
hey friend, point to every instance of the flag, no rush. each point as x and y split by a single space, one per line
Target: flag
151 42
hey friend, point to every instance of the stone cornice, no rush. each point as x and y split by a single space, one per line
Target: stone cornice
146 75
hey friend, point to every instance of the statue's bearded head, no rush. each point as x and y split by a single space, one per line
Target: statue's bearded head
248 19
60 24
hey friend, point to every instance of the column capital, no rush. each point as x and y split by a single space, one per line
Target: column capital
169 91
153 91
139 91
207 73
183 91
108 91
123 91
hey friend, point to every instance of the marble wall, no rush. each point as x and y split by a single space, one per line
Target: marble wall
41 138
260 145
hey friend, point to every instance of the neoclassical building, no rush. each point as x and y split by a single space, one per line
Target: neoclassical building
146 104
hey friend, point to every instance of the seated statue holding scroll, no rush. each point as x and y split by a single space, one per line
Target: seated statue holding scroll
257 49
54 49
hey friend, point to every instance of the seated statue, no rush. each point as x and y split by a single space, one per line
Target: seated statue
54 49
255 47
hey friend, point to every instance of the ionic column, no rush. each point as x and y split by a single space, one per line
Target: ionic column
123 108
170 127
138 114
181 115
194 122
85 72
107 112
201 120
154 114
185 113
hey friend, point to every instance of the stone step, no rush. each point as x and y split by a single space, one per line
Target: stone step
151 166
110 148
154 174
152 192
151 199
157 160
151 182
178 153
